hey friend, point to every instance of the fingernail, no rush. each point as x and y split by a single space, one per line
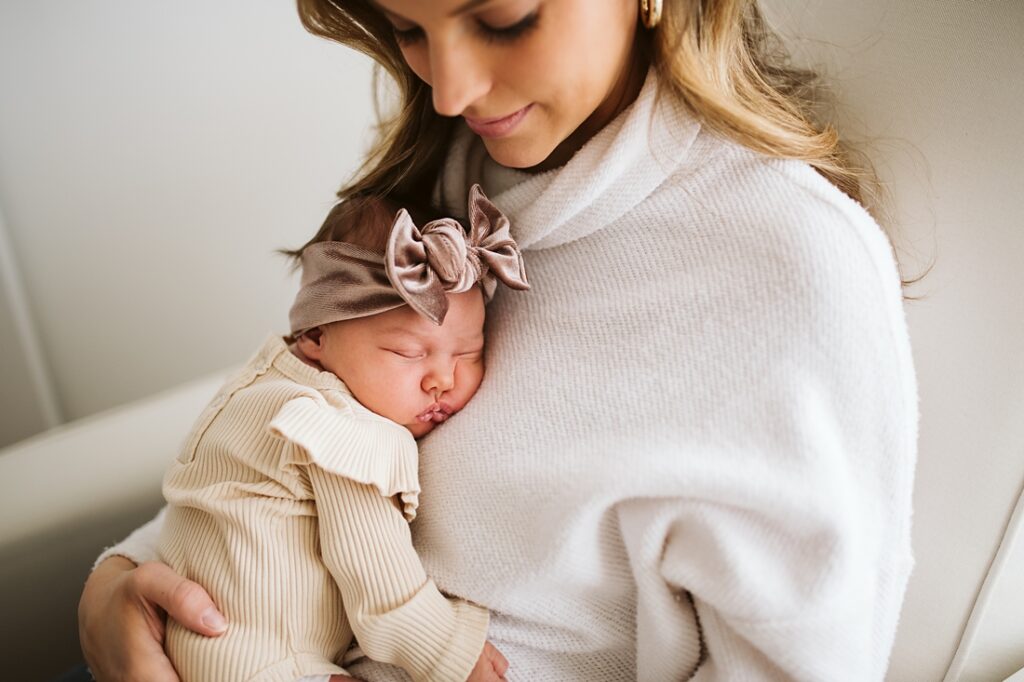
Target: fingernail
212 619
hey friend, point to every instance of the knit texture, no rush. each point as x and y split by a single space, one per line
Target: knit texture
281 505
707 413
692 454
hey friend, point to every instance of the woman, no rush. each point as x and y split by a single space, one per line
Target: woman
692 455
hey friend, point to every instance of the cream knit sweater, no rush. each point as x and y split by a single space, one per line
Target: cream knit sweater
693 452
281 504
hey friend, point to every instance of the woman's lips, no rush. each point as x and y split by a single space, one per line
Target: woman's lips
437 413
497 127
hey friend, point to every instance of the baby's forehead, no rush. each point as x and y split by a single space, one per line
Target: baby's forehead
463 324
427 330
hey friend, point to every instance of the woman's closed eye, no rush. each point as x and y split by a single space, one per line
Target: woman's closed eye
407 36
495 34
510 32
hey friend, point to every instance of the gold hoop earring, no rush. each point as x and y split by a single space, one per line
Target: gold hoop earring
650 12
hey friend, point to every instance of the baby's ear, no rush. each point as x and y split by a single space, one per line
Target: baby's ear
311 343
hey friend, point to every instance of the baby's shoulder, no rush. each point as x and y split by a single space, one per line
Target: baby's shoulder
332 402
273 387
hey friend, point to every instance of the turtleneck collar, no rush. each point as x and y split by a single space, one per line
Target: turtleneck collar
610 175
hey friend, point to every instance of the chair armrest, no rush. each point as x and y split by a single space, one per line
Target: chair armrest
64 496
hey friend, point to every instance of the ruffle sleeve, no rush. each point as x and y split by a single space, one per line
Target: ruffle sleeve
365 448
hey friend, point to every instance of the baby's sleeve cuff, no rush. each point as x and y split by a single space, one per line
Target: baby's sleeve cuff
433 638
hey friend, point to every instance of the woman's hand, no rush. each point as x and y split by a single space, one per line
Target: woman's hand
122 613
490 667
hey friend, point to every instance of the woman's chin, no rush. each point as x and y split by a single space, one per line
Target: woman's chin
514 152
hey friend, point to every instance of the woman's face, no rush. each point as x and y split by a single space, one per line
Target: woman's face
534 78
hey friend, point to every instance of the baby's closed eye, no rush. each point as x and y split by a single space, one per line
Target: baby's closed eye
407 353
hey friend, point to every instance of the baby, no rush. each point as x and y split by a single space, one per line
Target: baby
291 499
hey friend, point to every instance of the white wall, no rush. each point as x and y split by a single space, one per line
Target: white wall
152 157
28 403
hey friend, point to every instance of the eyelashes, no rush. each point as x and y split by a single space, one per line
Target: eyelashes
407 36
408 354
508 34
470 356
505 34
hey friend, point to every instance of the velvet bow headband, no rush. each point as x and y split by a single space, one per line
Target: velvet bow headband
343 281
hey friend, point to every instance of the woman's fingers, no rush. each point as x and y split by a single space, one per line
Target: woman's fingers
143 657
120 640
498 659
183 600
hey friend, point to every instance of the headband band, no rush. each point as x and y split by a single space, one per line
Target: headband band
343 281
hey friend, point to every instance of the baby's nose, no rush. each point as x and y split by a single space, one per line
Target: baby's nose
439 381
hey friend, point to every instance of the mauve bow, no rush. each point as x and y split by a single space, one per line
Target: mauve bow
426 263
343 281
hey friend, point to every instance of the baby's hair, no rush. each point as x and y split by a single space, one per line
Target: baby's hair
363 220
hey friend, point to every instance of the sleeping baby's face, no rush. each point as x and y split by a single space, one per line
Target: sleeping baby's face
404 367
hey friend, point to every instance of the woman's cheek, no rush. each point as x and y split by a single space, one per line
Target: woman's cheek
418 59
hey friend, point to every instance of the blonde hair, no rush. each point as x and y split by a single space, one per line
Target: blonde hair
719 57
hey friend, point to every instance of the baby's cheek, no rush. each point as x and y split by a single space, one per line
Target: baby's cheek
473 376
409 394
398 397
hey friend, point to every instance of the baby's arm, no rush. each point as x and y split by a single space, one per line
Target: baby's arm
397 613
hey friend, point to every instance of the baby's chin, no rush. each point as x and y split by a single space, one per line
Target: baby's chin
420 429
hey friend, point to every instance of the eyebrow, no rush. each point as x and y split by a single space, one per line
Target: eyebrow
461 9
468 6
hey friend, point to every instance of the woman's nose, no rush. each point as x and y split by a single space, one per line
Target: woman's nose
458 77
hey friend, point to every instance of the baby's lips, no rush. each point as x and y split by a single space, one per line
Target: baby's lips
437 413
426 415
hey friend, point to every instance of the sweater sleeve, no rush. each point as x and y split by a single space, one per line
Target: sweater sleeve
397 613
789 575
785 553
769 602
139 547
